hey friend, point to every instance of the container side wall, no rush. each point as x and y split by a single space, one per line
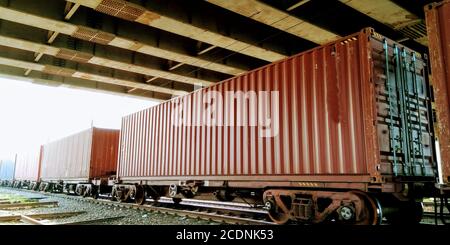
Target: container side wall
27 166
7 169
304 115
438 26
67 158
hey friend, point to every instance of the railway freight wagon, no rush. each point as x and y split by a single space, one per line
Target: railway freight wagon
27 171
341 132
82 163
7 172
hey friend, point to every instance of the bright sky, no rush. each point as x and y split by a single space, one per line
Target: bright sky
31 114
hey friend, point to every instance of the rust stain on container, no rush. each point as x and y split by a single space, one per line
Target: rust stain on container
331 105
438 26
28 166
83 156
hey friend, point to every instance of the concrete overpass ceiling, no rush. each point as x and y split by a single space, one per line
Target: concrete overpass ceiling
209 17
414 6
56 81
281 20
134 67
66 72
158 19
393 15
84 57
105 37
398 19
163 48
59 67
337 17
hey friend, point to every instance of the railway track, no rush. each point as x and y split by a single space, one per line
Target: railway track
91 221
432 217
227 213
221 212
211 213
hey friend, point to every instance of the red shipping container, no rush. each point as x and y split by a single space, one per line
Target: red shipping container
438 26
28 166
83 156
319 116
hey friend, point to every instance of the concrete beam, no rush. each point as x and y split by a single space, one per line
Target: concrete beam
268 15
296 5
70 11
137 13
392 15
74 85
66 72
39 54
106 38
83 57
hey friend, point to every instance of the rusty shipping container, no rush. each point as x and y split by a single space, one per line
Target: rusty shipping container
355 111
87 155
438 27
28 166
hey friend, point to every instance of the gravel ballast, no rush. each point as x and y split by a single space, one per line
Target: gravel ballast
112 215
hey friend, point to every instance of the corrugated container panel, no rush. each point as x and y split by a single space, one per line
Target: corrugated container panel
326 103
67 158
28 166
7 169
105 148
89 154
438 26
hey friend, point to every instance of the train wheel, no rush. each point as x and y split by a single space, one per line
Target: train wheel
79 191
371 213
224 195
153 193
188 194
120 197
176 200
42 186
156 198
94 193
113 194
48 187
279 216
410 212
116 195
278 211
139 196
87 192
417 210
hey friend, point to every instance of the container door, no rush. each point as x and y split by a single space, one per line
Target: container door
405 125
